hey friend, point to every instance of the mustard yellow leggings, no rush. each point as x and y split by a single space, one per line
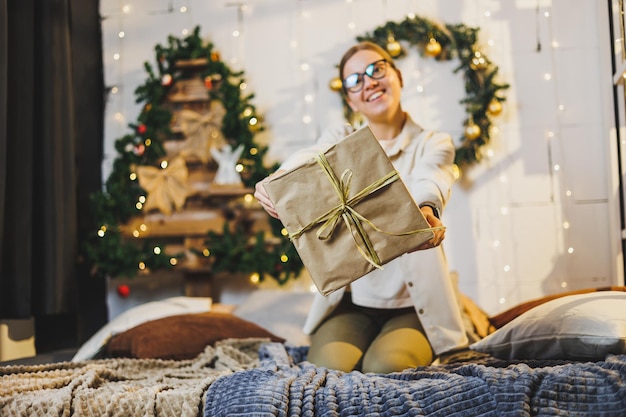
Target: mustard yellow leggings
370 340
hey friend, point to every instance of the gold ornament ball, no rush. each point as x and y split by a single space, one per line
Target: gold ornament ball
456 171
335 84
472 131
494 108
432 48
394 48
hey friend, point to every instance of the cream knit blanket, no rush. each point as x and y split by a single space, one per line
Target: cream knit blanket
122 387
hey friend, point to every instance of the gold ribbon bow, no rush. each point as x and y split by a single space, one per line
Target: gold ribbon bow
201 133
166 187
345 210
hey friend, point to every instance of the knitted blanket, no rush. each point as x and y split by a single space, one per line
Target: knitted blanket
122 387
253 378
283 386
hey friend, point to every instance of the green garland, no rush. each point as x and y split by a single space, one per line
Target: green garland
109 251
483 94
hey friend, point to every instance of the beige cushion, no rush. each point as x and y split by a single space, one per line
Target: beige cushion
583 326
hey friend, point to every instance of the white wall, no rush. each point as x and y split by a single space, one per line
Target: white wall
518 227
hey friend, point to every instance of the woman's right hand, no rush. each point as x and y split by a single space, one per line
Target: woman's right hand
261 195
438 235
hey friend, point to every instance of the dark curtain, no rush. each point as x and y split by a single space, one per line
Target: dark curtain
51 133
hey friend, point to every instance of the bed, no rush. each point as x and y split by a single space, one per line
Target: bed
560 355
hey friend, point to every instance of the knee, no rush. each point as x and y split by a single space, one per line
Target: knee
387 361
336 355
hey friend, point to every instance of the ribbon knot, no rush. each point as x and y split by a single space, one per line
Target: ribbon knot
345 210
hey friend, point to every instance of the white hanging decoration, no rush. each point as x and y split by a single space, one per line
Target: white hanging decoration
226 158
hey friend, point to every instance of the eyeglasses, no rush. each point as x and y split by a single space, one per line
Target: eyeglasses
376 70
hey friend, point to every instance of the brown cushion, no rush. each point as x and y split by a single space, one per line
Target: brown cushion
182 336
503 318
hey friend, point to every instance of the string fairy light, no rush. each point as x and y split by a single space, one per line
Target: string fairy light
307 79
508 289
562 196
238 33
500 282
538 47
560 175
351 20
118 107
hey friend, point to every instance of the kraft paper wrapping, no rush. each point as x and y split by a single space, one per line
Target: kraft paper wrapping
384 223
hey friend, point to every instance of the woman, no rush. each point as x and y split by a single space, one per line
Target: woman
405 314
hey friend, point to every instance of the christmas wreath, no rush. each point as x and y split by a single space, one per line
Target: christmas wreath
141 154
484 96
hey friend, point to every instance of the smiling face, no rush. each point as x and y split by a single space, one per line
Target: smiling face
379 99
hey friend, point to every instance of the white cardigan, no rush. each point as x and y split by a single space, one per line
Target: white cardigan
424 160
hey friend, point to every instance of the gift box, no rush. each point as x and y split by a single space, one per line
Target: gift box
347 211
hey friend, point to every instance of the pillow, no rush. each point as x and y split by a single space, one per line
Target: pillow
579 327
182 336
503 318
137 315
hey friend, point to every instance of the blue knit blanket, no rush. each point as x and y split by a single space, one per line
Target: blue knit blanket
286 385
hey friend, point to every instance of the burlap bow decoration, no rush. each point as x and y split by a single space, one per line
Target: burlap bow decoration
166 187
202 132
